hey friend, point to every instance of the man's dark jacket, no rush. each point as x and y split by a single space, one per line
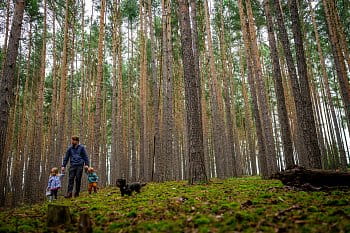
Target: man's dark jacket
77 156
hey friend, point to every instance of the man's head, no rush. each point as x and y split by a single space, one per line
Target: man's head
75 140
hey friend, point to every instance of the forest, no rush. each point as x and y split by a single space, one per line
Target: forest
204 101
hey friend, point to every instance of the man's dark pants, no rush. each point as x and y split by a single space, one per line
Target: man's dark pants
75 172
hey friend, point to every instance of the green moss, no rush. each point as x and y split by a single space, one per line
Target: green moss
118 225
26 228
7 229
247 204
341 202
201 220
132 214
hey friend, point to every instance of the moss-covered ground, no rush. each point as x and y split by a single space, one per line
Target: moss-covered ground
232 205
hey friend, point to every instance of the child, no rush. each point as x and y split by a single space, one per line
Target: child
54 183
92 179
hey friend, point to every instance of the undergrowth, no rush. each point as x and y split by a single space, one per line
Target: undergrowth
233 205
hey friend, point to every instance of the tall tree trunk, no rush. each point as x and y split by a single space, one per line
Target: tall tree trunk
205 125
249 126
7 27
282 110
299 103
7 83
121 153
238 152
263 104
130 132
69 106
120 135
143 96
338 59
196 55
99 87
340 30
36 157
256 85
167 88
23 136
103 158
232 139
309 126
155 91
114 116
11 147
82 124
219 137
54 160
61 144
197 172
132 137
328 92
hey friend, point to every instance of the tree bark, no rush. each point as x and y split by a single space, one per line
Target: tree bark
155 92
338 59
7 26
281 103
299 104
271 157
114 123
54 159
219 137
121 153
197 172
231 129
143 96
61 144
328 92
249 126
34 165
7 83
251 62
99 87
309 127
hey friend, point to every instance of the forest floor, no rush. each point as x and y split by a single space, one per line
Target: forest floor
233 205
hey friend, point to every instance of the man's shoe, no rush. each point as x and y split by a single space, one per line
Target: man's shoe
69 195
76 194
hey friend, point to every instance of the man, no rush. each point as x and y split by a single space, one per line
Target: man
78 158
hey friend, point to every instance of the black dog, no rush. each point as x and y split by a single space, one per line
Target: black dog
129 188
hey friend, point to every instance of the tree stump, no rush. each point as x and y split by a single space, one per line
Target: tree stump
85 224
58 215
301 177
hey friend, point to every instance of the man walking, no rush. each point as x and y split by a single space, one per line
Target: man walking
78 158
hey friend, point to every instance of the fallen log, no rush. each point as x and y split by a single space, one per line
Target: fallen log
314 178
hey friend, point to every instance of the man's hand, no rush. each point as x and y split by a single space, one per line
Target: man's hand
86 168
63 169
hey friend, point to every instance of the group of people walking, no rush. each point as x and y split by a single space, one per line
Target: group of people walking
78 158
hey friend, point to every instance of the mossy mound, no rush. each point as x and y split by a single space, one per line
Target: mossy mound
237 204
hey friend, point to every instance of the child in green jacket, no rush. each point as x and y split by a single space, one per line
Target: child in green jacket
92 179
